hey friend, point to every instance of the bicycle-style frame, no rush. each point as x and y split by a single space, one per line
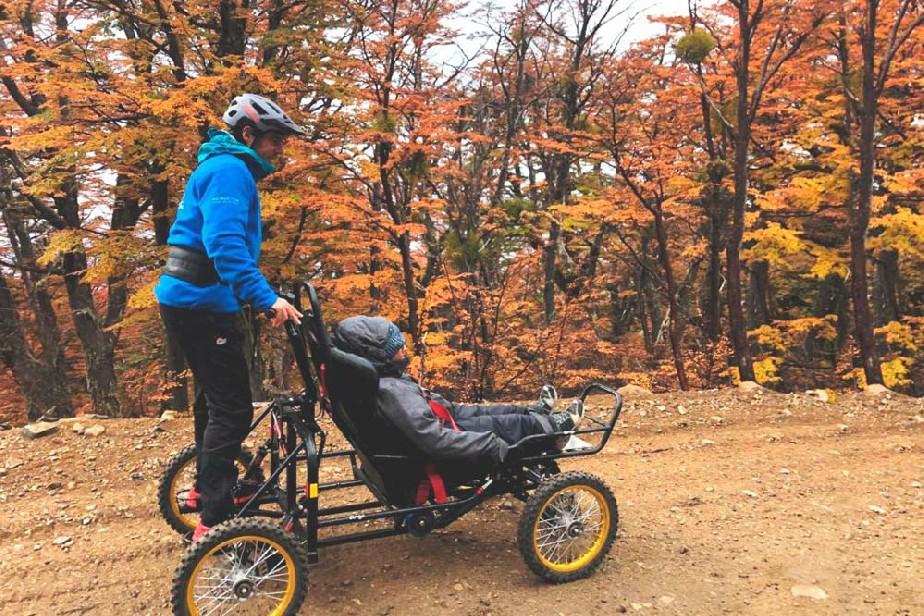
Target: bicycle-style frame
297 438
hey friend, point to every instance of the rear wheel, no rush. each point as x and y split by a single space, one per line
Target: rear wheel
245 566
567 527
180 512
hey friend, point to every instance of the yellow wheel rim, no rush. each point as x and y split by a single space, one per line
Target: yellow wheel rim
571 528
241 563
190 520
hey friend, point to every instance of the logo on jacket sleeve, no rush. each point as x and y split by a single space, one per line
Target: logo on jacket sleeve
221 340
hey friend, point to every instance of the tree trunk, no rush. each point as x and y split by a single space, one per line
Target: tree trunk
50 362
232 33
34 376
860 207
410 288
759 312
675 334
733 247
833 298
548 273
98 345
887 276
712 308
174 359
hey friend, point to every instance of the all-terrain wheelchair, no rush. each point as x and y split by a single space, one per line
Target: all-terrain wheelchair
257 562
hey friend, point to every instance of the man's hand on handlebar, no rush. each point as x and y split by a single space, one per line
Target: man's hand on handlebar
282 311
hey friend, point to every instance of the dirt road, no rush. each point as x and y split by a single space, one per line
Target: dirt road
729 503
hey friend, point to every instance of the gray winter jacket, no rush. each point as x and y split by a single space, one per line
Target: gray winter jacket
402 400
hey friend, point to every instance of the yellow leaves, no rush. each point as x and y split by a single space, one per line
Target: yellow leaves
807 193
782 247
773 244
783 335
898 334
910 182
61 242
768 336
902 231
895 372
827 261
765 370
144 297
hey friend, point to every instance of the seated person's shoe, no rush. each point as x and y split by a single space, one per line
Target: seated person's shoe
566 421
547 398
576 410
562 422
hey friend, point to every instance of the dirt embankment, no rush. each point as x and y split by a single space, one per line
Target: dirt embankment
729 503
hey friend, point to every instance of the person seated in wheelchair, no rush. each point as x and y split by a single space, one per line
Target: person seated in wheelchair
441 429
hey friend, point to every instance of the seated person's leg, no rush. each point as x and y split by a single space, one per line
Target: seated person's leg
480 410
511 427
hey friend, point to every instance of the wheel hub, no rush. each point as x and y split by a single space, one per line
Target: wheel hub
243 589
575 530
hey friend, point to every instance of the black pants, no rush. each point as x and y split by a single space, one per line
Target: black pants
213 344
510 422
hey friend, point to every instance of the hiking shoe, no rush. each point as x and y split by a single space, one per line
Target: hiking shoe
569 419
191 503
561 422
244 491
201 530
547 398
576 410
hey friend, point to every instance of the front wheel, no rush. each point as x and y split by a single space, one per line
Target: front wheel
567 527
244 566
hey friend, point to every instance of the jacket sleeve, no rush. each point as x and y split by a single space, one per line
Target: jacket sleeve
409 411
225 205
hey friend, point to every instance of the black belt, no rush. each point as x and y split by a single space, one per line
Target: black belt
190 266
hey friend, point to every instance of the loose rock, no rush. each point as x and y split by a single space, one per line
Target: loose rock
38 429
809 590
633 390
876 389
819 394
95 430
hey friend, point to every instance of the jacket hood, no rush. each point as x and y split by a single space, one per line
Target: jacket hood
222 142
367 337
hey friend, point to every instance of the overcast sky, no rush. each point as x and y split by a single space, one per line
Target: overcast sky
471 28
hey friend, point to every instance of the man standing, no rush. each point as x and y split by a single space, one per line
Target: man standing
211 268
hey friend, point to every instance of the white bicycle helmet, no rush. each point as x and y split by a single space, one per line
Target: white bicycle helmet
264 113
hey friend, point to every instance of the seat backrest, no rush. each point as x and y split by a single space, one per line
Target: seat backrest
352 385
391 462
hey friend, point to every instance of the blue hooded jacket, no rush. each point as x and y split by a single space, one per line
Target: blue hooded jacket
220 216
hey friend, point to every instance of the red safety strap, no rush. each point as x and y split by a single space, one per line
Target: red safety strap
433 482
443 414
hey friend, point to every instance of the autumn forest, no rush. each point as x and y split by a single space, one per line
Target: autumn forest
734 197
